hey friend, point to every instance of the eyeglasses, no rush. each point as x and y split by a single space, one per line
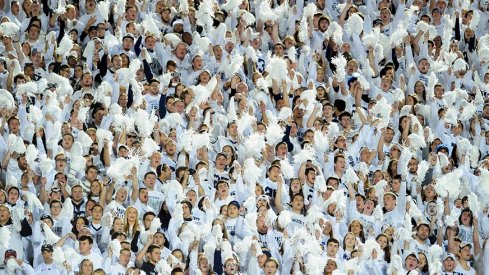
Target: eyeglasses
131 136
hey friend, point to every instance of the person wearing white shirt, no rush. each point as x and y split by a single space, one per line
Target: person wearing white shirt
123 264
85 246
48 264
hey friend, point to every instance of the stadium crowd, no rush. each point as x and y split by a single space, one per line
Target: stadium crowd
244 137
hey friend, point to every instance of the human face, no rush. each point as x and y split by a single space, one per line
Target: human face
13 196
368 206
124 257
171 148
356 227
389 202
350 240
181 51
274 174
423 232
118 225
466 217
77 194
87 267
150 181
340 164
332 249
233 130
298 203
465 253
422 260
4 214
270 268
143 195
311 176
222 189
186 210
159 239
424 66
56 209
204 263
431 209
47 256
233 211
155 255
95 188
449 264
231 267
132 214
411 263
295 186
382 241
121 195
97 212
85 247
147 220
282 150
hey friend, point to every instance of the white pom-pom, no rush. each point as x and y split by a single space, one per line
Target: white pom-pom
58 256
275 68
284 218
372 38
4 236
422 169
422 26
248 18
33 201
254 145
450 116
9 28
468 111
382 110
250 175
18 146
396 265
439 66
274 134
351 176
250 53
459 65
6 100
163 268
449 184
65 46
266 13
398 95
51 238
473 201
78 162
287 169
27 88
416 141
115 247
13 266
304 155
340 63
354 24
397 37
309 10
149 147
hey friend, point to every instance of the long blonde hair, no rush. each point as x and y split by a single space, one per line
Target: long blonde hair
127 226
